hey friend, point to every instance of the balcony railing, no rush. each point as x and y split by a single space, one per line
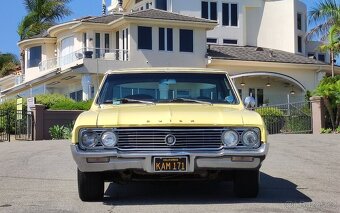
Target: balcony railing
90 53
19 79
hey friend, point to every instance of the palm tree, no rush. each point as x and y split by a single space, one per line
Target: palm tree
42 14
326 17
333 44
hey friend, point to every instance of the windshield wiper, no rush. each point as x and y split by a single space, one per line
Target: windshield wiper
129 100
190 100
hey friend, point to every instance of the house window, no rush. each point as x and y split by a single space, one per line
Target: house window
299 44
34 56
107 42
77 96
212 40
186 38
97 45
161 4
117 40
240 93
85 40
229 14
209 10
229 41
321 57
145 38
257 94
166 39
299 21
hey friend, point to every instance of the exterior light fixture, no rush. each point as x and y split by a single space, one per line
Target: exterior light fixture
268 83
292 92
242 82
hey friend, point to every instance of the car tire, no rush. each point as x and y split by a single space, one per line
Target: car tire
90 186
246 183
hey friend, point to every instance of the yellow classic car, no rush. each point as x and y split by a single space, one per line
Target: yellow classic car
168 124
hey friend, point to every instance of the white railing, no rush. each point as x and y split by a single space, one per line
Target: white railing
19 79
89 53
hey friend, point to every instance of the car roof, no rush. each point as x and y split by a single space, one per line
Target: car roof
167 70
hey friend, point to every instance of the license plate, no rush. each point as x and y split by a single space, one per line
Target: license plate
170 164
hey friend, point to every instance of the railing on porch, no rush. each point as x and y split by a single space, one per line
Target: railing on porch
291 118
90 53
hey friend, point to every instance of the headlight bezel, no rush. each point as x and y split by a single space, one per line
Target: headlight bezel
81 139
256 133
241 132
237 138
99 133
105 145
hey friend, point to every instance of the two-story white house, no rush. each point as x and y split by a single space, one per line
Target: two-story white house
260 43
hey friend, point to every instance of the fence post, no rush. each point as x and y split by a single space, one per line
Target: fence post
318 114
38 121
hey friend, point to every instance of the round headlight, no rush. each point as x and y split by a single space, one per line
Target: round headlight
89 139
250 139
230 138
109 139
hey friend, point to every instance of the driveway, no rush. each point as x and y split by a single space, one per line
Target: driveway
301 174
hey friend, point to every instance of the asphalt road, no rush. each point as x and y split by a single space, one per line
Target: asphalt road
301 174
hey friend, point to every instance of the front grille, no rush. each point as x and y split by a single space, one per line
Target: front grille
154 139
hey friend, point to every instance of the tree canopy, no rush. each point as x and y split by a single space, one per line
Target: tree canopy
41 15
8 62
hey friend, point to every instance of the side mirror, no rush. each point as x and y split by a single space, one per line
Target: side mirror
249 102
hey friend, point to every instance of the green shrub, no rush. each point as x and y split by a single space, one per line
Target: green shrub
58 132
51 99
273 118
326 131
11 107
68 105
297 124
337 130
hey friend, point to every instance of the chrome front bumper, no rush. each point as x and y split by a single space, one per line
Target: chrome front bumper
122 160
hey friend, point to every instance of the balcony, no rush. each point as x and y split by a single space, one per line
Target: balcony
77 57
19 79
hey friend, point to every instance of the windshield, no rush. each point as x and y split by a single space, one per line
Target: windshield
146 88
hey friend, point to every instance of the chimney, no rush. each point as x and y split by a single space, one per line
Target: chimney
103 7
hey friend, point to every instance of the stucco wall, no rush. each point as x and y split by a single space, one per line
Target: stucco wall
278 29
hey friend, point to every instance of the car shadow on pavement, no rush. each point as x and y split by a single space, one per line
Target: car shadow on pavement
272 190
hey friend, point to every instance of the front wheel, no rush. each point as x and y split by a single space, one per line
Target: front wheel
90 186
246 183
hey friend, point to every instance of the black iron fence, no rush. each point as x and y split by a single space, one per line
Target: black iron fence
24 125
291 118
5 125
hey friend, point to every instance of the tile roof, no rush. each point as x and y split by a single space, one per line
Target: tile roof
102 19
250 53
165 15
150 13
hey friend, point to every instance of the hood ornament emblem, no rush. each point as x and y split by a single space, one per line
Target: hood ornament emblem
170 140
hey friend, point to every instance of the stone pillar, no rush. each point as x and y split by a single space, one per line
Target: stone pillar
318 114
86 83
38 122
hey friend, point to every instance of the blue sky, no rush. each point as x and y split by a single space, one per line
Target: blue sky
12 11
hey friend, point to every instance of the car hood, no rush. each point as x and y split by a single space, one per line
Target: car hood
173 115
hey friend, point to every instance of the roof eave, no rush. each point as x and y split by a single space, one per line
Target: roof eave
221 61
205 25
47 40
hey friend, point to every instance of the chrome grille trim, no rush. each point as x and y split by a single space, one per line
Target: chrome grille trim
152 139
